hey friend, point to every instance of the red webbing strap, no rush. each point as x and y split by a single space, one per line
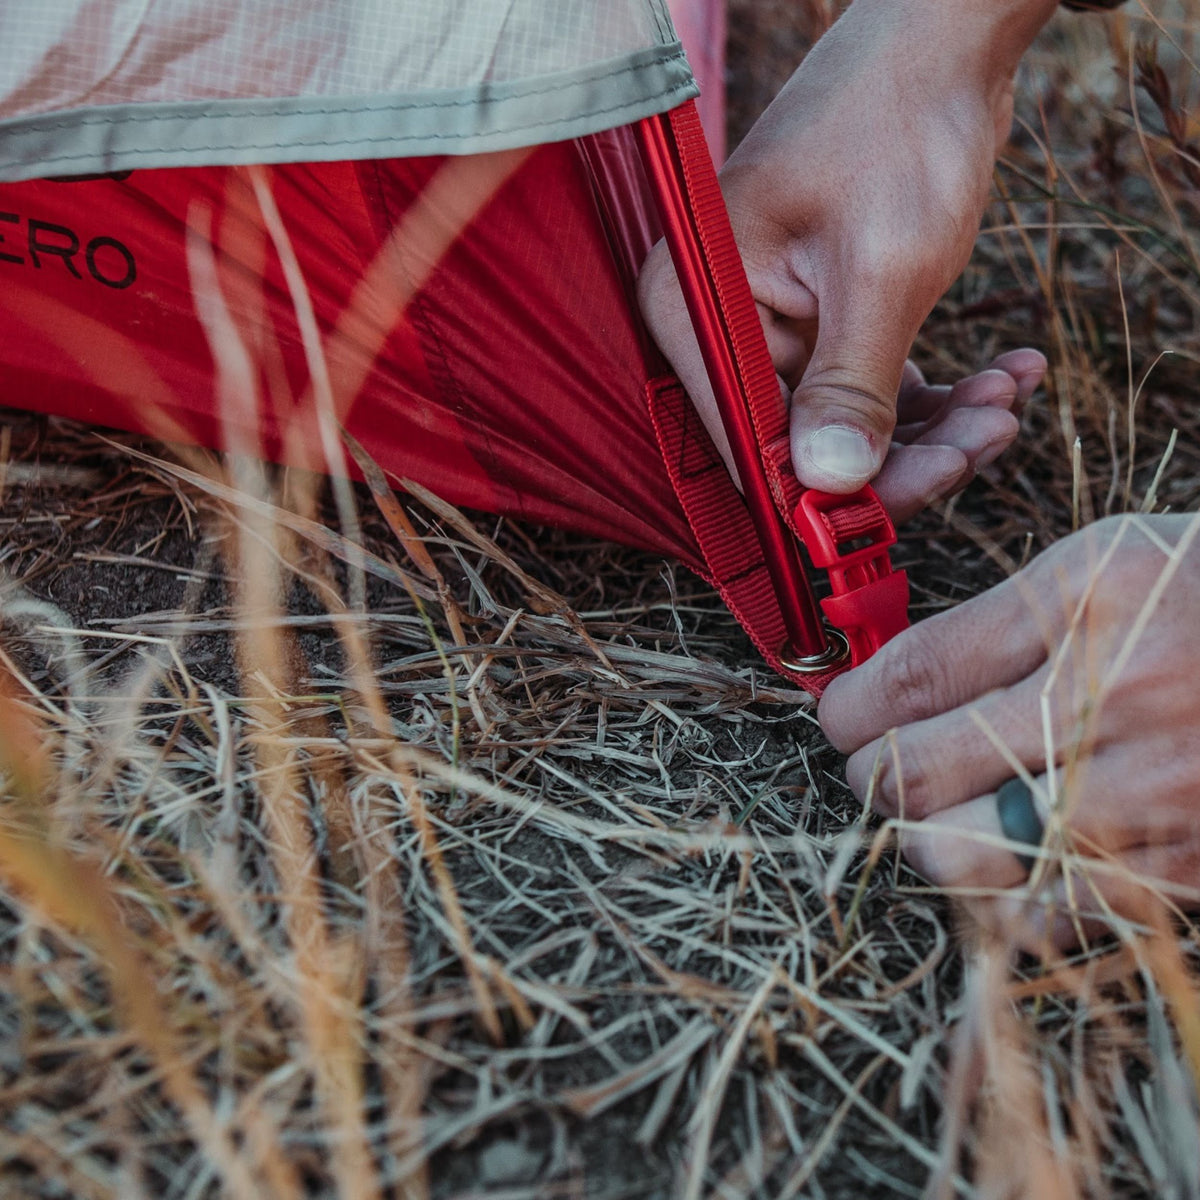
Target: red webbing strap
869 600
767 410
733 557
725 321
760 382
853 519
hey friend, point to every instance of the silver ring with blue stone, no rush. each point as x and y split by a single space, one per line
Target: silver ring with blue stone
1020 820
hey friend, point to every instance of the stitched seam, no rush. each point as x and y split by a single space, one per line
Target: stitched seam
656 9
351 109
387 140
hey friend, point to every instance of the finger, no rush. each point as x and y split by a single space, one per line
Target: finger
946 760
1027 366
992 640
1088 815
943 459
970 848
965 848
844 409
990 388
913 477
986 389
975 431
1008 383
1130 892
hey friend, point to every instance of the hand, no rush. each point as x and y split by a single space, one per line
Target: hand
855 201
1086 664
944 434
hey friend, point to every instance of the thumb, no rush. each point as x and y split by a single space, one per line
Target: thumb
844 410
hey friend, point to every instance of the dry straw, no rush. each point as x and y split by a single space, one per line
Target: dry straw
354 846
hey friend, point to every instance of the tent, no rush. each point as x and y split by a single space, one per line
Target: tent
467 190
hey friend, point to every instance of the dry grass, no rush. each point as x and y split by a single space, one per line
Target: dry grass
363 848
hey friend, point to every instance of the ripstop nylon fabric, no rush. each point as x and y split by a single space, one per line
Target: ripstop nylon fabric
109 85
477 309
487 371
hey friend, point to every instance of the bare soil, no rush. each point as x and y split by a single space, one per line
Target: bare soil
598 916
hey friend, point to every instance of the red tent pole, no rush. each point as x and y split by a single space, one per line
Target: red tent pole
710 298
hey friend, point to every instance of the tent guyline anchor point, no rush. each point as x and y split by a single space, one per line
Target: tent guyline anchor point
835 655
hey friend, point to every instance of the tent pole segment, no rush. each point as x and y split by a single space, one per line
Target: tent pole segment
708 300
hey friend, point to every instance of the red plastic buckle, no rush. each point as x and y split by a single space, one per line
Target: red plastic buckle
850 536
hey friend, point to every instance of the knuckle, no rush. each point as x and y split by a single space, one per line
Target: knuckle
877 404
895 259
1133 568
912 681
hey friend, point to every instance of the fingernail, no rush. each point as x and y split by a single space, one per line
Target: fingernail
841 452
1027 384
989 454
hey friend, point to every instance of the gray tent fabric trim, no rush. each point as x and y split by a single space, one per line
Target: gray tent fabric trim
471 120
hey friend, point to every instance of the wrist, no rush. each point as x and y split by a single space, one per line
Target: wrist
984 39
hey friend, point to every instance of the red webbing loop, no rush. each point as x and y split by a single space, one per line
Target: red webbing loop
756 549
733 556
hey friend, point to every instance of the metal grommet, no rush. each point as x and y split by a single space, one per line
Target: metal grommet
1020 820
834 655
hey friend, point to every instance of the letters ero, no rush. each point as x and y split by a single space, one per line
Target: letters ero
104 259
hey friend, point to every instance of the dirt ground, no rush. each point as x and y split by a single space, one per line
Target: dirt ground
592 912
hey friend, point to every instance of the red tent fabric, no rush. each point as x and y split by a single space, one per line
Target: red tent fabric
476 331
510 379
526 331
